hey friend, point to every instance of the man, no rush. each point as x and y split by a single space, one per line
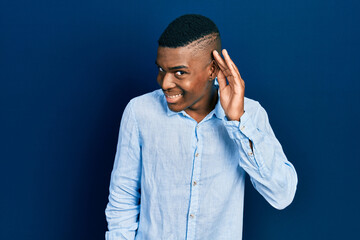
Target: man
183 150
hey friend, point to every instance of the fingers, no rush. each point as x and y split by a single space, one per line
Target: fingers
228 68
221 63
221 80
232 67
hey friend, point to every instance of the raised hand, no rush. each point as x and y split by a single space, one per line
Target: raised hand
231 93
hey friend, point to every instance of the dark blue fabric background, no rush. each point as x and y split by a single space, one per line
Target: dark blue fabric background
68 68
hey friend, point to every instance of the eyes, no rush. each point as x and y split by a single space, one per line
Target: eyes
177 73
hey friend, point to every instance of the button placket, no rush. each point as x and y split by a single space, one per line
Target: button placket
194 187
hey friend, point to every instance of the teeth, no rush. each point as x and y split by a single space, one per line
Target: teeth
174 96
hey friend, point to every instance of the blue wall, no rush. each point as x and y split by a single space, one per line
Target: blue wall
68 68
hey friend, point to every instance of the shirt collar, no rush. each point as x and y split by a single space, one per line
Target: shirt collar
218 111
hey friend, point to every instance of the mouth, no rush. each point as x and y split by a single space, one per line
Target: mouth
173 98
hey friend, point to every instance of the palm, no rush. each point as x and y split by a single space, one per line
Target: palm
231 94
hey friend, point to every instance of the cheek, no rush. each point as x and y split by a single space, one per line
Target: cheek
201 85
196 83
187 85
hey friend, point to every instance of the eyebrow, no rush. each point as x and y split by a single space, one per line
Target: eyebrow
173 68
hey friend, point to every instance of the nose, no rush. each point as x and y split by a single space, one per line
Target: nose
166 82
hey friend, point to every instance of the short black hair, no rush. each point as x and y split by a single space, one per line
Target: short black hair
187 29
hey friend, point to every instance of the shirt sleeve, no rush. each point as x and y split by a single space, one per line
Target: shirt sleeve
122 210
272 175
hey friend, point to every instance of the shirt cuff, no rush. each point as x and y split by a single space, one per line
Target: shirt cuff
241 132
119 235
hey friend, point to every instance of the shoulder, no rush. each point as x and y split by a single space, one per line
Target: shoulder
251 106
148 104
254 109
257 114
154 97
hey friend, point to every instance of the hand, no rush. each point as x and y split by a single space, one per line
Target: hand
232 94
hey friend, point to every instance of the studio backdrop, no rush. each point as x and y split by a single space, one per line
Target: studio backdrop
68 69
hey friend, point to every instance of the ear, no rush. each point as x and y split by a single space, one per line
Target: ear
213 70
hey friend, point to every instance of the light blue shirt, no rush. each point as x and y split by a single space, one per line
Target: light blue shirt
176 179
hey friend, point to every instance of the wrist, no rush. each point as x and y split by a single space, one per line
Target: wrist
236 117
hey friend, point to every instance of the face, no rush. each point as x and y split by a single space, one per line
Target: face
186 78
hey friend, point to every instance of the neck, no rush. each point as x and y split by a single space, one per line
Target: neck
199 114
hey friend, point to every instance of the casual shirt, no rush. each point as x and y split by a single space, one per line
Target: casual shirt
176 179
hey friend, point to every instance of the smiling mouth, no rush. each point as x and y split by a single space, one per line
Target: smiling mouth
173 98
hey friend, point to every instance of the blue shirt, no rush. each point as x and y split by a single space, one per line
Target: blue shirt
176 179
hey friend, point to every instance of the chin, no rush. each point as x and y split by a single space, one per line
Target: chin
175 108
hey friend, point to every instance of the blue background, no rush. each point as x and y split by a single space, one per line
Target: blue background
68 68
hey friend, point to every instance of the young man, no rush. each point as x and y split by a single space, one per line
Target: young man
184 150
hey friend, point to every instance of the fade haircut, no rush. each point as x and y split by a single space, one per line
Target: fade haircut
191 29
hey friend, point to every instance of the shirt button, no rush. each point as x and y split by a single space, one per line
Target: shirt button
250 153
192 215
197 126
194 183
242 128
184 114
197 154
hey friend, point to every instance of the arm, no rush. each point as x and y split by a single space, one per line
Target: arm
122 211
261 154
272 175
